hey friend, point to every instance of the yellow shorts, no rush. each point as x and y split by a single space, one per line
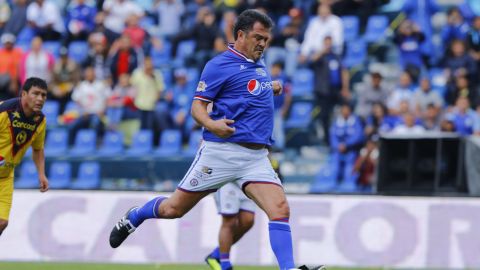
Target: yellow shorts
6 192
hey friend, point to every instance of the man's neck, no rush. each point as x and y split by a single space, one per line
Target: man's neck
26 111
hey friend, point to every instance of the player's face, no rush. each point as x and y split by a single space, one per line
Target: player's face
256 40
35 98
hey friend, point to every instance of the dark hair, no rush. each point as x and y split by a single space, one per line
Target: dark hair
279 64
248 18
34 81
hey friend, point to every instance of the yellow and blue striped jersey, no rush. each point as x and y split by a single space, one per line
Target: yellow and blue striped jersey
17 133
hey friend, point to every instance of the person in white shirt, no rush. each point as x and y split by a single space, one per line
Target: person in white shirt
117 13
325 24
403 92
408 126
44 16
91 95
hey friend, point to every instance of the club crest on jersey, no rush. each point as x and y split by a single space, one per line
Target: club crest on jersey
202 86
261 72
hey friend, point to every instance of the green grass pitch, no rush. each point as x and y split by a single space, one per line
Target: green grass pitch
90 266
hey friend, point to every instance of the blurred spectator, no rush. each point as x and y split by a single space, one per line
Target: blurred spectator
366 163
281 104
100 28
459 63
66 75
371 92
141 39
431 118
117 12
377 121
331 82
323 25
462 89
456 27
421 12
191 9
124 59
80 21
363 8
121 101
204 33
45 18
346 138
409 126
403 92
18 19
424 97
229 18
473 41
149 86
408 39
169 15
4 14
462 116
97 56
91 96
476 125
9 64
37 62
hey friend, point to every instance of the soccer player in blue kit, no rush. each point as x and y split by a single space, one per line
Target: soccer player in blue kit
236 135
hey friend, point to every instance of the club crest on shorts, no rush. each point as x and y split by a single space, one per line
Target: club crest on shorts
194 182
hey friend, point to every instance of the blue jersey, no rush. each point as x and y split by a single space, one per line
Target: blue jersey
240 89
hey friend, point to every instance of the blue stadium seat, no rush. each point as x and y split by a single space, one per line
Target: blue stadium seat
88 176
192 77
302 83
283 21
51 109
60 175
114 115
184 50
161 56
78 51
350 27
299 115
142 143
376 27
53 47
112 144
71 107
26 35
356 53
56 142
28 175
85 143
194 142
324 181
349 184
170 143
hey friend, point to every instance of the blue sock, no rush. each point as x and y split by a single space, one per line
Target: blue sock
281 242
149 210
215 253
225 261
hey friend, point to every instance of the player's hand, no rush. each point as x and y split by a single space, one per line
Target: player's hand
43 183
222 128
277 88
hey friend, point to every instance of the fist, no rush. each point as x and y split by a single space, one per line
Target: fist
277 88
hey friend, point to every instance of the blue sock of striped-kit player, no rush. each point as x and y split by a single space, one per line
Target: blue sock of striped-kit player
225 261
149 210
281 242
215 253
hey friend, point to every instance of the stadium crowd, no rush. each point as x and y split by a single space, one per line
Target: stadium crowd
133 65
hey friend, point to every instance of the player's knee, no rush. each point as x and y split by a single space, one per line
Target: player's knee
172 212
282 210
229 221
247 223
3 225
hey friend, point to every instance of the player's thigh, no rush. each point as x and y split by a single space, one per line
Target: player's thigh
228 199
270 197
6 192
180 202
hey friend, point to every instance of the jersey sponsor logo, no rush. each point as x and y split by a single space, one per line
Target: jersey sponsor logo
255 87
202 86
242 67
261 72
19 124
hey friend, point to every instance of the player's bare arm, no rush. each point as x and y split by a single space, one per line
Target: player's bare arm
220 127
38 157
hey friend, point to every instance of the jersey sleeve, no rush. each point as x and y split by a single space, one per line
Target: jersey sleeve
38 143
210 84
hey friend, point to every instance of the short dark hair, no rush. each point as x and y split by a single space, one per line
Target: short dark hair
34 81
248 18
